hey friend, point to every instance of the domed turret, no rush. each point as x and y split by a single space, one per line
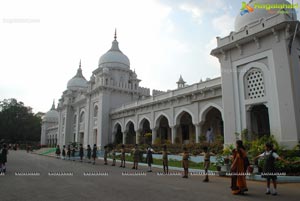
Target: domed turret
114 57
249 13
51 115
78 81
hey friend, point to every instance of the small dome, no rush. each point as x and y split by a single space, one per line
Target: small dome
78 81
114 57
51 115
244 19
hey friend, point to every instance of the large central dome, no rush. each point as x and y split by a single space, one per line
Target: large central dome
114 57
247 18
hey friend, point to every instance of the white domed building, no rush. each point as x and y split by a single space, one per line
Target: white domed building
259 90
50 127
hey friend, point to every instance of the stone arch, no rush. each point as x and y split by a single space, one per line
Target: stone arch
211 122
206 109
117 133
145 129
159 116
130 132
185 126
116 123
142 120
127 122
180 113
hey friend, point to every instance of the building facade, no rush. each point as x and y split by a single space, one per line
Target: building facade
259 90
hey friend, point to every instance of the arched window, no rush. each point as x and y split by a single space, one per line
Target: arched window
254 84
95 111
82 117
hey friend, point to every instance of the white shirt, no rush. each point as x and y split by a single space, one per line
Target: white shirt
275 155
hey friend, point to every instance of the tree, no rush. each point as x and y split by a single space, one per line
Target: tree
18 123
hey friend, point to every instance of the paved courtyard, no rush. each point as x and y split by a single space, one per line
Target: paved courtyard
70 181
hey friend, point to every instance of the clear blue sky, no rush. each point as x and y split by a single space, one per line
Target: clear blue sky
43 41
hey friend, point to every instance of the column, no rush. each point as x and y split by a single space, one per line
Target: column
198 132
174 133
137 136
124 137
154 134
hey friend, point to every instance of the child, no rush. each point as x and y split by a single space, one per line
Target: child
81 152
206 163
122 156
69 152
94 155
185 162
149 158
269 166
165 160
105 155
57 151
136 155
89 153
64 152
113 153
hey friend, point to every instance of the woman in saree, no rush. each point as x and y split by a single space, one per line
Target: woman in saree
238 170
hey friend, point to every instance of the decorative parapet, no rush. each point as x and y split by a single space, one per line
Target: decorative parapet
199 88
157 92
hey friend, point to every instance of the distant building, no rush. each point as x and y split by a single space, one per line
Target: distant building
259 90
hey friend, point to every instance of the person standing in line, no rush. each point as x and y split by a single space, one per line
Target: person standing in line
113 153
149 157
165 160
73 152
269 171
3 154
123 156
238 169
57 151
69 152
94 155
81 152
105 154
136 155
185 162
206 163
89 153
63 152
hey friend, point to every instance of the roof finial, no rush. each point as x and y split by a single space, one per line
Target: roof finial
115 34
53 105
80 63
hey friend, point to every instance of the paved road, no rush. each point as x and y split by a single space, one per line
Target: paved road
116 187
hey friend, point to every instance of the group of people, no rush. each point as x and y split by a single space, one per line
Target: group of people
69 153
3 158
239 165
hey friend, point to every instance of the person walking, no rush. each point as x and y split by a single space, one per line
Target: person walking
269 171
149 157
238 169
